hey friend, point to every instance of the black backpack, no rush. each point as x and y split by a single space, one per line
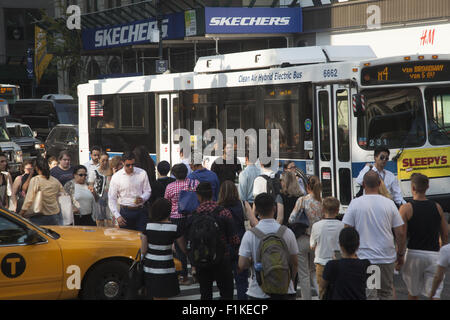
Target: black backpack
204 246
273 185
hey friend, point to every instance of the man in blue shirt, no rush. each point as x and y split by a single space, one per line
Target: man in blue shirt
246 179
202 174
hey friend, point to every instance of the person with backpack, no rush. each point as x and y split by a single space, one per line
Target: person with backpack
268 182
212 243
312 205
229 199
270 251
172 193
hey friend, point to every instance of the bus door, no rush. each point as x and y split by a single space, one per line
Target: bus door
325 147
341 142
333 116
168 116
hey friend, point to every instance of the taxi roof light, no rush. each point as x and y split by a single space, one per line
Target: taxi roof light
407 58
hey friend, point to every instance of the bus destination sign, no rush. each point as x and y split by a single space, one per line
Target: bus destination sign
407 72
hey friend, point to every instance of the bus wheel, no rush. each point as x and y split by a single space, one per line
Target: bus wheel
107 281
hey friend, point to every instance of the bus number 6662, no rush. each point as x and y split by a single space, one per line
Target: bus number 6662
330 73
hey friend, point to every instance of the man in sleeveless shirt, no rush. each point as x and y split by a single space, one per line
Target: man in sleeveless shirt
425 222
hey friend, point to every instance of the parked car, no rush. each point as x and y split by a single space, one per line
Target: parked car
63 262
43 114
63 137
22 134
8 147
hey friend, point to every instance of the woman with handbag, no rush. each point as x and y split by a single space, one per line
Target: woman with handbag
172 194
99 180
289 195
311 205
160 277
83 197
41 202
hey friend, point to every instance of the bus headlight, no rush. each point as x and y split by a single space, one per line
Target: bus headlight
18 157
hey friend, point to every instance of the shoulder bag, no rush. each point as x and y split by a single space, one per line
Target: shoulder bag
300 223
188 201
135 278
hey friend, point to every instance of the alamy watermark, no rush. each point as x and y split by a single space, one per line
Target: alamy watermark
262 144
74 18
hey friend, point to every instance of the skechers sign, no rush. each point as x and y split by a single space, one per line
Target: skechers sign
253 20
133 33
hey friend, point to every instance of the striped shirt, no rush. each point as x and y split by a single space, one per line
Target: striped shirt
173 191
159 258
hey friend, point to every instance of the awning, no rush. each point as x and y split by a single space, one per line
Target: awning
136 11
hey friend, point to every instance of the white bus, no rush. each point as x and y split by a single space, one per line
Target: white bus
10 92
332 105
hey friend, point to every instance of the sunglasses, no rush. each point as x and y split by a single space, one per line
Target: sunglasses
129 165
82 175
382 158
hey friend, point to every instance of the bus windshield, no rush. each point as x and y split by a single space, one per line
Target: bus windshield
437 101
10 94
394 118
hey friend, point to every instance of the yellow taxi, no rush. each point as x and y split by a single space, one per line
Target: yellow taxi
63 262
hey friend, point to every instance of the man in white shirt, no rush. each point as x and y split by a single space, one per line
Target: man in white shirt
374 216
381 156
265 206
93 164
260 186
129 189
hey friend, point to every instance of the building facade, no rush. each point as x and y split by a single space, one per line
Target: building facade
390 27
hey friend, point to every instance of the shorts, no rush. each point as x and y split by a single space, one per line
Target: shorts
418 272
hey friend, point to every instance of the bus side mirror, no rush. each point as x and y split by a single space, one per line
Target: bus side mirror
359 105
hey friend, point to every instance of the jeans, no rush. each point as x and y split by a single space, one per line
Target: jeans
306 271
136 219
52 220
241 281
222 274
179 253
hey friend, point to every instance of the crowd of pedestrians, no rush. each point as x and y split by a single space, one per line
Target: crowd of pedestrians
240 227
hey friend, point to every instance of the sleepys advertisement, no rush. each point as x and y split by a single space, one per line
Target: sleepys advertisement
432 162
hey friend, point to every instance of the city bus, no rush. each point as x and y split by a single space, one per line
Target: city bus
333 105
10 92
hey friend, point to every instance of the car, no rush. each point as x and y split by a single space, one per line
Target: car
43 114
63 137
64 262
22 134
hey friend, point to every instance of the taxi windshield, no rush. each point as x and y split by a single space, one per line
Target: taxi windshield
47 231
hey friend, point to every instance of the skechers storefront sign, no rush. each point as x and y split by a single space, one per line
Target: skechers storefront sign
253 20
133 33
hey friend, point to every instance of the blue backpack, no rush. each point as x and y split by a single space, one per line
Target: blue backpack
188 201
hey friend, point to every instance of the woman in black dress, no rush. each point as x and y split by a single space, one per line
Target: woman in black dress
160 275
